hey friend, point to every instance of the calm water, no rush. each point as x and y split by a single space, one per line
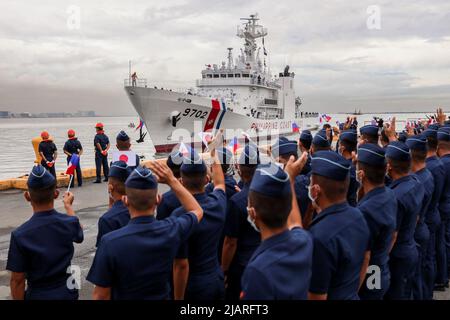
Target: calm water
17 155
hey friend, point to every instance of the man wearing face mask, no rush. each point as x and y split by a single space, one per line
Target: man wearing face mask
425 270
241 236
379 208
409 193
347 145
340 232
319 143
280 268
117 216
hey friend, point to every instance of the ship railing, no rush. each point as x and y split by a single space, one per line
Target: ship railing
142 83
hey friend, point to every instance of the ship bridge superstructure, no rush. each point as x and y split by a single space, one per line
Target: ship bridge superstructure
245 83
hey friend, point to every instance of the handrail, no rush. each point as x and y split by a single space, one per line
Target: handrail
137 83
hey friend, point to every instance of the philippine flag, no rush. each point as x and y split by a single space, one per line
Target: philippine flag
234 144
295 127
73 164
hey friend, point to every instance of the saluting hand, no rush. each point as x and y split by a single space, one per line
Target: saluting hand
294 167
162 172
440 116
389 130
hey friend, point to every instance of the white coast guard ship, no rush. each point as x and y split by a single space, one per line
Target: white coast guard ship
239 94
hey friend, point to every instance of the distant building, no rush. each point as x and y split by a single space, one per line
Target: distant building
5 114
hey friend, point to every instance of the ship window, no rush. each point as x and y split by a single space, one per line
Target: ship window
204 76
245 75
237 75
209 75
216 76
223 75
230 75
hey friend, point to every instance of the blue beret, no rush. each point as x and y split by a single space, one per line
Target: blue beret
418 142
193 163
443 134
175 159
330 165
349 135
430 133
402 136
270 180
142 178
320 139
371 154
225 155
119 170
398 150
249 156
306 135
284 146
122 136
40 178
370 130
434 126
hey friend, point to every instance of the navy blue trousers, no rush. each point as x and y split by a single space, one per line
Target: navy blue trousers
101 160
402 274
441 255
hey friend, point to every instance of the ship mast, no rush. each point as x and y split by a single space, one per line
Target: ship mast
250 32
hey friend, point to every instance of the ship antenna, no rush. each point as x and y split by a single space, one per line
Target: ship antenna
230 58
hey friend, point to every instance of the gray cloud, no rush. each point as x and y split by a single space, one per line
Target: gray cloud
340 64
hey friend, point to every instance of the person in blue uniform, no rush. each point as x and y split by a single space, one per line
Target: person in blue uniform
241 239
123 143
319 143
304 144
443 151
135 262
117 216
425 272
368 134
225 157
73 146
48 152
437 170
340 257
102 145
41 249
169 202
348 140
197 273
379 208
280 268
409 193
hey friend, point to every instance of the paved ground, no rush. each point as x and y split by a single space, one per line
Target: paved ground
90 203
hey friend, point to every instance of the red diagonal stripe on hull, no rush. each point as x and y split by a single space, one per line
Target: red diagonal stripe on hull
209 124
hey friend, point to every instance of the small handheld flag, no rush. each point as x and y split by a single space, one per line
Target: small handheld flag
126 156
234 144
73 164
295 127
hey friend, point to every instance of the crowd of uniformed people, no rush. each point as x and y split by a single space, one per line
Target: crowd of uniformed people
365 218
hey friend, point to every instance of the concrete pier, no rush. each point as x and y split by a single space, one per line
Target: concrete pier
91 201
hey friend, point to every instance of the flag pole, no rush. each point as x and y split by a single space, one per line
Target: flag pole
70 182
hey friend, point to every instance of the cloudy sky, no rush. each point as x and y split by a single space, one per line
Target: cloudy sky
48 64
